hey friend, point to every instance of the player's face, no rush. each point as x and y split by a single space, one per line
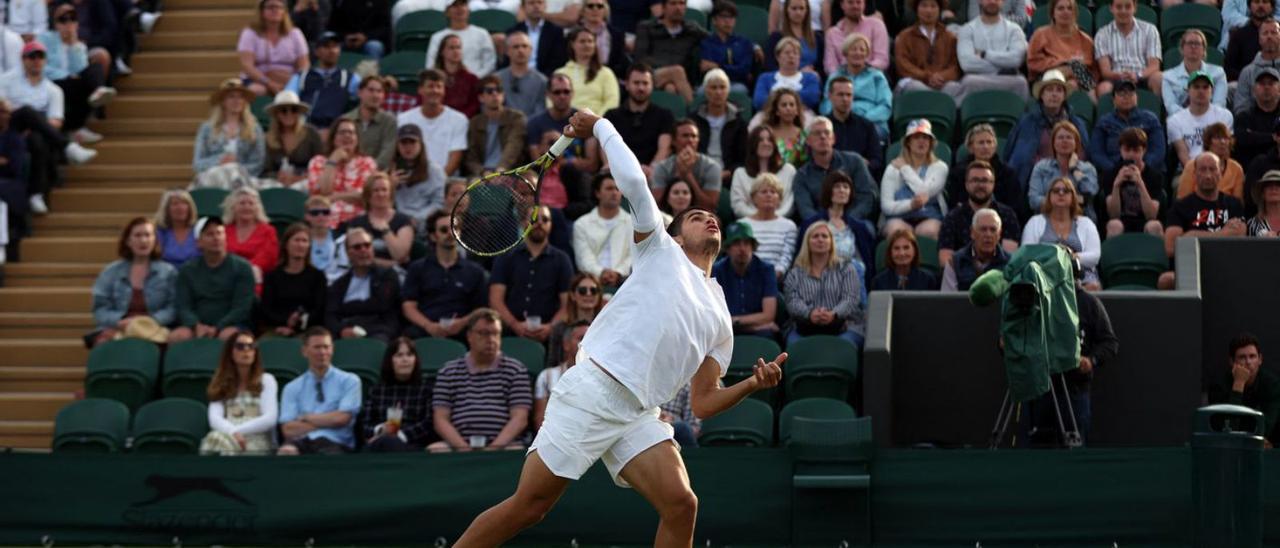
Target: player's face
701 230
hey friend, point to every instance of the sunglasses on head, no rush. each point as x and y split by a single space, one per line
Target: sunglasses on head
587 290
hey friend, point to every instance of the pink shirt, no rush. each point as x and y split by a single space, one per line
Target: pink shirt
349 177
282 55
870 27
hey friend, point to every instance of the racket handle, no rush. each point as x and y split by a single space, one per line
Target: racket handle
562 143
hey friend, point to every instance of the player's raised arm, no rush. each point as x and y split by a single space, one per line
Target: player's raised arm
625 168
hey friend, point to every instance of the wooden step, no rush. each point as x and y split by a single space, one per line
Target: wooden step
26 434
45 325
82 224
176 175
191 40
60 352
171 82
83 249
41 379
142 201
171 6
33 406
161 62
168 105
231 20
181 129
44 299
143 150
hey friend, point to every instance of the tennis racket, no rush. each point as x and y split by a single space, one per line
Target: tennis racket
497 211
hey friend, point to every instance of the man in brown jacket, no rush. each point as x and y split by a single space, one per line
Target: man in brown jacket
925 53
495 136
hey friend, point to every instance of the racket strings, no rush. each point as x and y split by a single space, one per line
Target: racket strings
494 215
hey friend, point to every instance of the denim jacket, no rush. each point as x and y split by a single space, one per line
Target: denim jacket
1104 147
211 145
1024 141
112 291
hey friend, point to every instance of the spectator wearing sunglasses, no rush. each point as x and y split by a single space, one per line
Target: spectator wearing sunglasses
327 253
364 302
586 299
318 409
442 288
291 143
242 402
80 72
495 136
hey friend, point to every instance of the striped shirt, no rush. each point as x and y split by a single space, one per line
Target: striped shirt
1258 226
838 290
1128 53
777 239
481 400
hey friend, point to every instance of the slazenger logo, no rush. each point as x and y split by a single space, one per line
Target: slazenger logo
192 503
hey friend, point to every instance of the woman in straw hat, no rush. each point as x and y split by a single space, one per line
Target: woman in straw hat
229 148
1266 193
291 143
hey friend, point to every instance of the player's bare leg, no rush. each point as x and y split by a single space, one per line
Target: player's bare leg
658 474
535 495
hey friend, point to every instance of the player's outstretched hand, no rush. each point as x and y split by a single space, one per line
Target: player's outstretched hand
768 375
582 124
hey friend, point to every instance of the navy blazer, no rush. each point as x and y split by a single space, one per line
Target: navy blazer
553 49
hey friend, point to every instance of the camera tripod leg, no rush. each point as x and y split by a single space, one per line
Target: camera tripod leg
1072 438
1007 409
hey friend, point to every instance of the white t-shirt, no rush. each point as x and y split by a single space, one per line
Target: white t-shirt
44 97
10 50
547 380
443 134
1189 128
510 6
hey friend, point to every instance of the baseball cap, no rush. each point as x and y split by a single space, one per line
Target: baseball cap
1267 71
329 36
206 222
739 231
32 47
409 130
1199 75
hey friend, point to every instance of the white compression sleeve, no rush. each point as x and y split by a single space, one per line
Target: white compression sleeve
629 176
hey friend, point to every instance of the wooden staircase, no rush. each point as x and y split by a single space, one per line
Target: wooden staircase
45 305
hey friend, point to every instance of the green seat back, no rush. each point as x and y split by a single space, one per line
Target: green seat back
259 109
1001 109
91 425
935 106
746 350
940 149
753 23
831 453
724 209
697 16
1173 57
1133 259
1145 13
209 201
1179 18
493 20
814 408
529 352
414 30
748 424
1082 106
404 66
284 205
188 368
671 102
349 59
170 426
362 357
821 366
282 357
433 353
125 371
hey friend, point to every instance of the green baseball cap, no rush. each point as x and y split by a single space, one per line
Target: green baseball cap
739 231
1199 75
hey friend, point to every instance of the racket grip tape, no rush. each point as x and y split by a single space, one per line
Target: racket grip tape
562 143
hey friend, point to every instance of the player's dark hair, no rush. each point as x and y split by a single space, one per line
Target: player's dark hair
1240 341
674 229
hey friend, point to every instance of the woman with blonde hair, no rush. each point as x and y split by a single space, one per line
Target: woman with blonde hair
775 236
229 147
175 220
271 49
243 402
824 293
391 230
911 190
1068 148
291 142
872 96
1061 221
249 232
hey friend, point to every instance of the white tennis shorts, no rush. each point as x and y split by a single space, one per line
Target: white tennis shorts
591 417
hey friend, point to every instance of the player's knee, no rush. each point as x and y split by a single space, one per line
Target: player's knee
680 507
532 511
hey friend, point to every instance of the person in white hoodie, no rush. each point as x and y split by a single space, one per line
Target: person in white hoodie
602 237
991 50
911 194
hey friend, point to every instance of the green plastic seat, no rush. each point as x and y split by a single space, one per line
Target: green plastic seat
1144 13
753 23
1173 57
404 66
940 149
493 20
92 425
821 366
748 424
528 352
361 356
697 16
282 357
813 408
125 371
1135 259
350 59
283 205
433 353
171 426
1082 106
831 453
1180 18
1001 109
935 106
671 102
413 30
209 201
259 109
724 209
746 350
188 368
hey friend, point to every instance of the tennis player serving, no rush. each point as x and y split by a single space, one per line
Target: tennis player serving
668 326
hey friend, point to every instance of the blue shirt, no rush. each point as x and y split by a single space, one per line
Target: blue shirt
445 292
1104 146
174 252
341 393
533 284
322 251
734 55
746 294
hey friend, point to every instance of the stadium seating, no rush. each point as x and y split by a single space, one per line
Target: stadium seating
493 20
746 350
361 356
284 206
1001 109
282 357
91 425
940 149
831 474
404 66
350 59
414 30
259 109
529 352
171 426
821 366
433 353
753 22
209 201
125 371
1180 18
1144 13
1133 260
188 368
671 102
935 106
814 408
1173 57
1082 106
749 424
